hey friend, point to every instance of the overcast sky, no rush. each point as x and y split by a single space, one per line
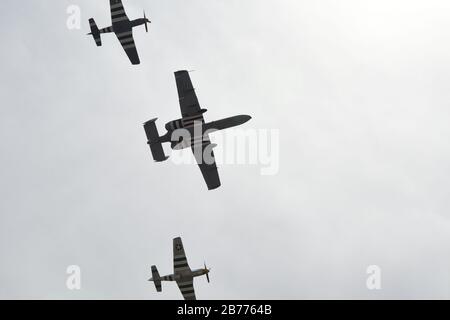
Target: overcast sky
358 89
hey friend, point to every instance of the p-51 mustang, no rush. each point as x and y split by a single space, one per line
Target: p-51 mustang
191 131
182 274
122 27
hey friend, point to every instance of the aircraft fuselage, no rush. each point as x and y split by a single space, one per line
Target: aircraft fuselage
197 129
124 26
184 276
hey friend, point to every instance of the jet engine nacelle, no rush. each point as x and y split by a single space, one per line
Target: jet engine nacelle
180 123
173 125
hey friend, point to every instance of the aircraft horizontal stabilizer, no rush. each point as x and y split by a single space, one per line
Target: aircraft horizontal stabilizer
156 279
95 32
154 141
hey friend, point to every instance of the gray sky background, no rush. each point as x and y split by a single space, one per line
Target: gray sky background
358 89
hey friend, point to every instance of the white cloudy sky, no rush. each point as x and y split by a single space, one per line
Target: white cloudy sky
358 89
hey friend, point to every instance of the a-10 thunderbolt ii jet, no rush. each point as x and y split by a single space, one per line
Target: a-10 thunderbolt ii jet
122 27
191 131
182 274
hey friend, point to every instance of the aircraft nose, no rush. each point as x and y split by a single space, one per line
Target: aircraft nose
246 118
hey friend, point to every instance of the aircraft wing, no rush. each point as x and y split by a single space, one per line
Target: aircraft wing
180 265
127 41
204 155
192 113
186 93
187 288
118 13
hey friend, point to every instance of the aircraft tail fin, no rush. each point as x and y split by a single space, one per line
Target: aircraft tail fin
156 279
95 32
154 141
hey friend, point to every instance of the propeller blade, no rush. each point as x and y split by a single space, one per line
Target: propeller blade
145 19
206 272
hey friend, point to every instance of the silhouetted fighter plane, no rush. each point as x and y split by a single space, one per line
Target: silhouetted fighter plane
182 274
193 123
122 27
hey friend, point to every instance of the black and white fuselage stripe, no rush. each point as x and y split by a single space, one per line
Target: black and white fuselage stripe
107 30
168 278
